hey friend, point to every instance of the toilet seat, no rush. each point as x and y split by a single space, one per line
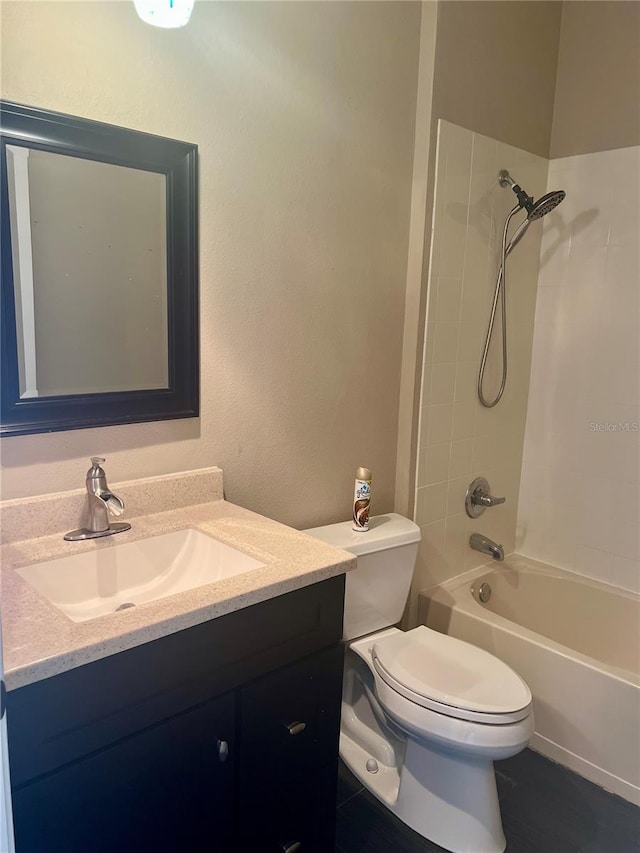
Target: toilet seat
451 677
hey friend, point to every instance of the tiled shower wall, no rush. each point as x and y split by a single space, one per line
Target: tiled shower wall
581 471
459 439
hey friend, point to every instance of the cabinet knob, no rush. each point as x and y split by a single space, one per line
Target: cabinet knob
295 729
223 751
290 847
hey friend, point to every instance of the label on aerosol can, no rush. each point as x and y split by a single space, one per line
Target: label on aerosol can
362 499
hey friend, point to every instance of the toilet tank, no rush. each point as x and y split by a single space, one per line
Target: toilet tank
377 590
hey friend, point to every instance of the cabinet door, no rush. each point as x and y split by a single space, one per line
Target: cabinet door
287 757
288 813
166 789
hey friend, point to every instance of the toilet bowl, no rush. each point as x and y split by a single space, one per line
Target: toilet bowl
424 715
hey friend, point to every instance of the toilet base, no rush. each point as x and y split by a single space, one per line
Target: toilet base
449 800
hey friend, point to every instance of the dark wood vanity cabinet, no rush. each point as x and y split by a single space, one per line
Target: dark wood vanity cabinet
287 756
222 737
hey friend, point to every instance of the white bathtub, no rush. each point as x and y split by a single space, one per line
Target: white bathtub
576 643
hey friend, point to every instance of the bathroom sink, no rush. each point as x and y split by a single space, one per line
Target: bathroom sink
98 582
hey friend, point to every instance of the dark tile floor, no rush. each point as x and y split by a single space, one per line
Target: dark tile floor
545 809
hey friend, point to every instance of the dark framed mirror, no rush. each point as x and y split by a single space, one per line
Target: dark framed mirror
99 291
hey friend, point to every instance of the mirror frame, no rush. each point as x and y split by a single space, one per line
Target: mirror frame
78 137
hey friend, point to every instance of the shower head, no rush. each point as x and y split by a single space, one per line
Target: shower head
535 209
545 204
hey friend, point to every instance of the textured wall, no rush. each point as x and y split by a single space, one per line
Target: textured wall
304 114
580 491
424 152
459 439
495 69
597 104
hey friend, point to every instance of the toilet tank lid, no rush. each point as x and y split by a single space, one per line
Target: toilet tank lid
385 531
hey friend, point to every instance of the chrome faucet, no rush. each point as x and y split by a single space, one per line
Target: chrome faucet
101 503
486 546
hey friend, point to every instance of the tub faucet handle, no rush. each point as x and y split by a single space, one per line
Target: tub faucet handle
489 500
479 497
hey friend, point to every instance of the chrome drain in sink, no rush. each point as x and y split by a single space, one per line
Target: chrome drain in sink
125 606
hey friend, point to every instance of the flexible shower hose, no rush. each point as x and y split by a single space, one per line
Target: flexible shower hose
499 291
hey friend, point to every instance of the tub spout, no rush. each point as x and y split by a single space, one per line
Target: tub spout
486 546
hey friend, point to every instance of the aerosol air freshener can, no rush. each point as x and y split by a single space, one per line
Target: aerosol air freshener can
362 499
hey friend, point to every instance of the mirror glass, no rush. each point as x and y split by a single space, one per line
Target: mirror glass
89 274
99 260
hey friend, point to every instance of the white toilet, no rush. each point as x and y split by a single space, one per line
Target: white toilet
424 715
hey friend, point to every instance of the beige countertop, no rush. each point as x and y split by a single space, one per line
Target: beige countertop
40 641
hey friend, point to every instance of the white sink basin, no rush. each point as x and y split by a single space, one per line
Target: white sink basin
102 581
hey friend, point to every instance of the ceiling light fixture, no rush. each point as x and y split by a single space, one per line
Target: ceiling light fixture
164 13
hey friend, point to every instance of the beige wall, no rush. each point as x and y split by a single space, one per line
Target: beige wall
580 494
459 439
418 259
494 73
304 114
597 105
495 69
580 491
